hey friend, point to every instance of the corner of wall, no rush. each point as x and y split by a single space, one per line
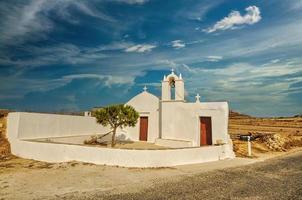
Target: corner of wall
13 120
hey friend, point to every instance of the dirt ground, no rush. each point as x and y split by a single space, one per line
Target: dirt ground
227 179
278 178
28 179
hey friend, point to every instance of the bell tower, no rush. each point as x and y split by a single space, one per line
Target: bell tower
173 88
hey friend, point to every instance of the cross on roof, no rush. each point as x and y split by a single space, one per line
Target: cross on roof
172 71
197 97
145 88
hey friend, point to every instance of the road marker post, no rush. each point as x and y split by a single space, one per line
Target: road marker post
249 146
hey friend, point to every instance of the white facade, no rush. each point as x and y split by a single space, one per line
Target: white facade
147 105
174 122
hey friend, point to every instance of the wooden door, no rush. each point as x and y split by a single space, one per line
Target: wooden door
143 130
205 131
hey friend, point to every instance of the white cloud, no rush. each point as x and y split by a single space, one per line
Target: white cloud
274 61
133 1
64 53
170 63
235 19
178 44
113 46
21 20
109 80
296 5
199 10
29 20
214 58
245 85
140 48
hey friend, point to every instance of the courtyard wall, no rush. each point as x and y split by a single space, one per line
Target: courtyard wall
40 125
25 126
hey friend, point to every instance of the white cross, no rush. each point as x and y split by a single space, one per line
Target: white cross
197 98
172 71
145 88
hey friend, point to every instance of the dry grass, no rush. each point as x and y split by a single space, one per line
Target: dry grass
5 152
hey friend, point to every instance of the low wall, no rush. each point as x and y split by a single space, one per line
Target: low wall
51 152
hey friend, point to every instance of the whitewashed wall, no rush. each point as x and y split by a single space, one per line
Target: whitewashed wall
180 121
38 125
51 152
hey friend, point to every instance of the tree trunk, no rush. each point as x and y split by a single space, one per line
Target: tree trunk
113 137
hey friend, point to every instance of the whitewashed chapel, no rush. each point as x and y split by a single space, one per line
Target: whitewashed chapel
173 122
169 122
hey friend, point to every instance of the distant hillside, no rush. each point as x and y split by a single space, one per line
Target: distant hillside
237 115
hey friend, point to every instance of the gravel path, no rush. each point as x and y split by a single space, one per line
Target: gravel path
278 178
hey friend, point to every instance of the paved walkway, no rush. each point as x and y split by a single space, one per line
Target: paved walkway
278 178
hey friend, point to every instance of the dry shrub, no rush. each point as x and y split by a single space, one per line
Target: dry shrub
293 142
96 140
5 151
275 142
278 142
92 140
298 133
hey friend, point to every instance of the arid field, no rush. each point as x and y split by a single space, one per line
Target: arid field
273 134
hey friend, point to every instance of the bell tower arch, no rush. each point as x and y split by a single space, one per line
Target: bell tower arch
173 87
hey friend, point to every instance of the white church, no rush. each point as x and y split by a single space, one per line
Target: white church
197 132
171 121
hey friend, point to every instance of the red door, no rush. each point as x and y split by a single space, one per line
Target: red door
205 131
143 130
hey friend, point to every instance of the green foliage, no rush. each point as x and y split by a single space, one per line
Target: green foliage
117 116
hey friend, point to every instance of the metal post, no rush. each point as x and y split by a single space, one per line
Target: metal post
249 146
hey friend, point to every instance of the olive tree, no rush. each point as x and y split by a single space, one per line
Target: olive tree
116 116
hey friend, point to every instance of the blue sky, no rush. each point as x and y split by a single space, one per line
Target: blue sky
68 55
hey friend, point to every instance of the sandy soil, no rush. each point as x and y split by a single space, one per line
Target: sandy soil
29 179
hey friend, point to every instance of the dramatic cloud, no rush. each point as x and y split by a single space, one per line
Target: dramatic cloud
74 53
235 19
140 48
261 87
178 44
21 22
